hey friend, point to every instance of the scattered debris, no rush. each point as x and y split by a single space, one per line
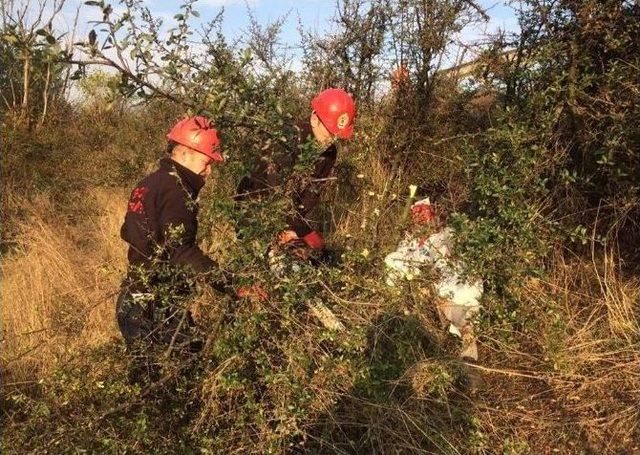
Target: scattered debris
460 299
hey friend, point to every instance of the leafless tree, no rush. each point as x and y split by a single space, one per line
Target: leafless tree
30 54
424 36
350 56
374 37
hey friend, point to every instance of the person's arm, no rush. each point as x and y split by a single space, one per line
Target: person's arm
307 199
179 228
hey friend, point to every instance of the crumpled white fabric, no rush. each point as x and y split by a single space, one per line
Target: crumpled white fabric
461 298
412 253
280 264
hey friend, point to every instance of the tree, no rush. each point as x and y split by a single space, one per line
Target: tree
32 69
350 57
573 78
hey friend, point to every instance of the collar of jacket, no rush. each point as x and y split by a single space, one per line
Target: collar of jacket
191 181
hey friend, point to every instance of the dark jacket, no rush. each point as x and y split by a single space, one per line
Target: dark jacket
161 226
266 176
161 220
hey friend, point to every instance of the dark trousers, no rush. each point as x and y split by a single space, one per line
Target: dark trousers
150 331
142 320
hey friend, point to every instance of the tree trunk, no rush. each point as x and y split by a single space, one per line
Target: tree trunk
45 94
26 69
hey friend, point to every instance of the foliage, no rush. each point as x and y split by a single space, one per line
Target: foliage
374 39
572 78
518 181
503 234
32 56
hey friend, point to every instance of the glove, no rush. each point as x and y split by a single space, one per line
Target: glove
314 240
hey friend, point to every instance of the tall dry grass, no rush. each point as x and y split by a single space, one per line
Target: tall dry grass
572 381
58 286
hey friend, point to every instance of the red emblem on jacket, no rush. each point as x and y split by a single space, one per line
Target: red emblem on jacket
136 201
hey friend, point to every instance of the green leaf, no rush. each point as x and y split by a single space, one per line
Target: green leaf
51 39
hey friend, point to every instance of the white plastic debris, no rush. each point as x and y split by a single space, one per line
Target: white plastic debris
413 253
460 298
326 316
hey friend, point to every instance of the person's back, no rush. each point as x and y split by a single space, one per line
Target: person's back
164 202
161 228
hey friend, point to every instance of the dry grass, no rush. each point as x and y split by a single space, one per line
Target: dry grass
573 382
57 289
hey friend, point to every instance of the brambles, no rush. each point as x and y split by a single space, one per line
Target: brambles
531 161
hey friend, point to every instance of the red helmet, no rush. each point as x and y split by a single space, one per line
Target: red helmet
198 134
336 110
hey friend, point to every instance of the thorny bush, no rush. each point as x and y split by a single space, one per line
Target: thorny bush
515 186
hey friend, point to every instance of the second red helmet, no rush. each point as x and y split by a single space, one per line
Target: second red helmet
336 110
198 134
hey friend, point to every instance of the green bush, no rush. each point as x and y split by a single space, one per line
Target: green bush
516 183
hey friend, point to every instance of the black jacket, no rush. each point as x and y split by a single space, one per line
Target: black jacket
161 220
265 176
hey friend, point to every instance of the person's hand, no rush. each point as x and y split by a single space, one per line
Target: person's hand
287 236
254 291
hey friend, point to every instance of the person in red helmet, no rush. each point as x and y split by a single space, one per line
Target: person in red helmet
332 116
160 228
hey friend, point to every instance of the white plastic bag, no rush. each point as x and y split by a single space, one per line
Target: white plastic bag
461 299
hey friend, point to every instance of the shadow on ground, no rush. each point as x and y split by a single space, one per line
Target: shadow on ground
408 401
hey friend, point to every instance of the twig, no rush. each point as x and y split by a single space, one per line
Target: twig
175 333
514 373
105 61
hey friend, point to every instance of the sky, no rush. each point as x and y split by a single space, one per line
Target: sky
313 15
